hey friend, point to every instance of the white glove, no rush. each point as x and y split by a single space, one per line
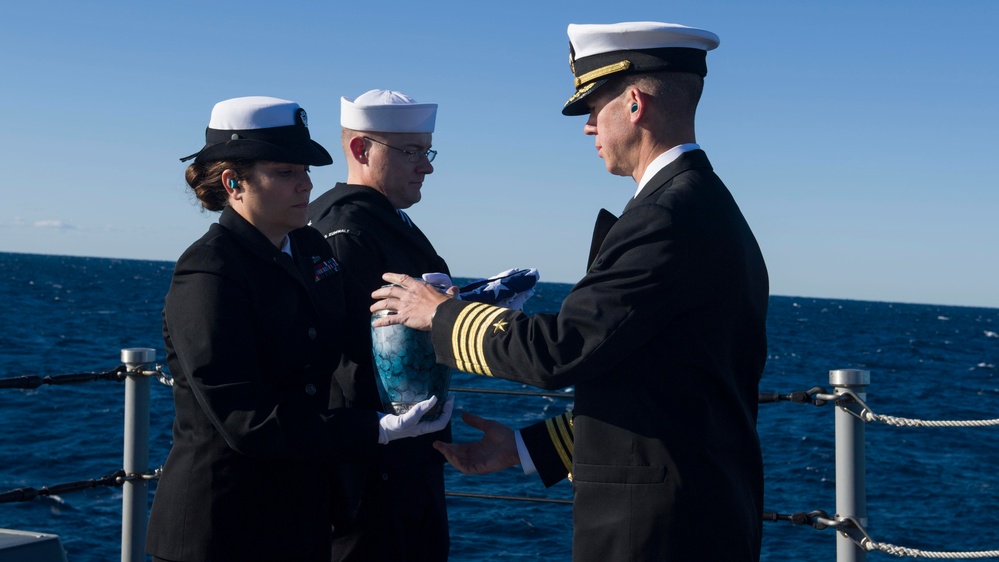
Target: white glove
392 427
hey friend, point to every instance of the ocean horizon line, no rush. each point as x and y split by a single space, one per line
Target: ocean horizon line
828 298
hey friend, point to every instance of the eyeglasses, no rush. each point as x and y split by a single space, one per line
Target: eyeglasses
414 155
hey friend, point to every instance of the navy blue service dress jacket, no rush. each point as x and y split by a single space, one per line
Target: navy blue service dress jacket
402 515
664 339
252 338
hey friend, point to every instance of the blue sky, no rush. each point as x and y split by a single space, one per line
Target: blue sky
858 137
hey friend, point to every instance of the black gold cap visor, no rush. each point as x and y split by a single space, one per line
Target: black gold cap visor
599 52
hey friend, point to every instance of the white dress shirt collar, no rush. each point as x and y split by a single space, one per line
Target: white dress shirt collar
663 160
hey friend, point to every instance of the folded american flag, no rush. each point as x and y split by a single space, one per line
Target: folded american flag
508 289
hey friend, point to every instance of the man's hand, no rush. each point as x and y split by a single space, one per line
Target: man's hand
413 301
496 450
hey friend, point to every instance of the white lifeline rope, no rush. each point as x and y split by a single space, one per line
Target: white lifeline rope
867 543
916 553
869 416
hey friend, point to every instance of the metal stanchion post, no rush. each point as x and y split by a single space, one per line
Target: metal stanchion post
134 502
851 462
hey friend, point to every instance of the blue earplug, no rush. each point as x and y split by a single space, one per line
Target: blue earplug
634 107
233 184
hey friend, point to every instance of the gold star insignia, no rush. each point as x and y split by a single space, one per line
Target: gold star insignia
499 326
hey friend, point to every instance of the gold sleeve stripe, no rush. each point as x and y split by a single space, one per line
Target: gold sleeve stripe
602 71
485 322
458 343
467 337
464 343
560 431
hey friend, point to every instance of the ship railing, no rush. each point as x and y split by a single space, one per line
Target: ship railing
849 397
852 413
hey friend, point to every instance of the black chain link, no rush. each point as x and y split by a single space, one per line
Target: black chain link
798 397
35 381
116 479
818 519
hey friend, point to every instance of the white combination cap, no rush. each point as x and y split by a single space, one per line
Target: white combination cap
598 52
387 111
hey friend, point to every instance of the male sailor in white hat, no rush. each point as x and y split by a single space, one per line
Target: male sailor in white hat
386 138
664 338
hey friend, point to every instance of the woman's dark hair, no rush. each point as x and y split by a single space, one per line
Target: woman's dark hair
206 181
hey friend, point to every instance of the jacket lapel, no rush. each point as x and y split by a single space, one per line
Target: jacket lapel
302 266
605 220
257 243
684 162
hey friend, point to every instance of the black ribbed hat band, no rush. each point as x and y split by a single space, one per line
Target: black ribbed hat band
281 136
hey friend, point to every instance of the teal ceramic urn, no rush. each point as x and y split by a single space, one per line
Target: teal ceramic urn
407 368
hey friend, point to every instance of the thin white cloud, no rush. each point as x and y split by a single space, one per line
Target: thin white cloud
58 224
53 223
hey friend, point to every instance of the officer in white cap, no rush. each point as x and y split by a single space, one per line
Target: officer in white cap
386 138
664 338
252 325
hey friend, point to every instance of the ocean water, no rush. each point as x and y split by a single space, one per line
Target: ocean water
934 489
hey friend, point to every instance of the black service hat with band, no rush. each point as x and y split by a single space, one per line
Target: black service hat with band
260 128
